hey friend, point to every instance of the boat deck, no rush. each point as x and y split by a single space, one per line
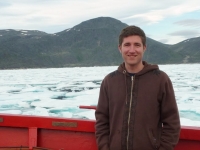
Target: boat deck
19 132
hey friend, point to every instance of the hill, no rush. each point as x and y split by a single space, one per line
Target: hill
90 43
188 49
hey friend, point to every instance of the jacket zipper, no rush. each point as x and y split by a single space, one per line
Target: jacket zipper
131 99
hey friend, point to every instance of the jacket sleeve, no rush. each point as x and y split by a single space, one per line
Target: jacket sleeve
169 117
102 119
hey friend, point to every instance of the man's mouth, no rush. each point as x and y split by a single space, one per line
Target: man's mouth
132 55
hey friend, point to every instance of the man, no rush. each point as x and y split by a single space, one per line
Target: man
137 109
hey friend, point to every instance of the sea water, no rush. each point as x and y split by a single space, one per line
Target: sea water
60 91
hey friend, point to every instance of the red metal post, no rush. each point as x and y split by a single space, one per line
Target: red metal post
32 137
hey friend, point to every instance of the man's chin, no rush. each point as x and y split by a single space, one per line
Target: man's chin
133 63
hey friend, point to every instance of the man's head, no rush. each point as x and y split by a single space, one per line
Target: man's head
132 30
132 45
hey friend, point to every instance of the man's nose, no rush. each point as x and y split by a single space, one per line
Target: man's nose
132 49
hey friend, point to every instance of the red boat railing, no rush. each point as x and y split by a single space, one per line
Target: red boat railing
87 107
33 132
49 132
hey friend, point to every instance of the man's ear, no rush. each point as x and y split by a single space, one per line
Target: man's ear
119 48
145 47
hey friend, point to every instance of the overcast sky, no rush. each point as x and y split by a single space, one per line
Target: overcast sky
167 21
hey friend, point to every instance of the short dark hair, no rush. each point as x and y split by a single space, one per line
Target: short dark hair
132 30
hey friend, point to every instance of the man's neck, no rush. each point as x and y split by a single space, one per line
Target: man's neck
134 68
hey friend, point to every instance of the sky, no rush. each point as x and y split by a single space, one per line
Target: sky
167 21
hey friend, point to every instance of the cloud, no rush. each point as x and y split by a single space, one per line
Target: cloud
161 12
163 40
189 22
60 11
4 4
186 33
39 14
53 16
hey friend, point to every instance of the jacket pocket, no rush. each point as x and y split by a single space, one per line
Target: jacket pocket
155 141
115 141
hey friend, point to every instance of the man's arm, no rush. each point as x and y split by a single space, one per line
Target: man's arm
170 118
102 119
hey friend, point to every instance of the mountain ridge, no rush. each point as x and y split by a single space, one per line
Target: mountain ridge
91 43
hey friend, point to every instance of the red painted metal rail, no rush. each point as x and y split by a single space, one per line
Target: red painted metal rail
87 107
48 132
33 132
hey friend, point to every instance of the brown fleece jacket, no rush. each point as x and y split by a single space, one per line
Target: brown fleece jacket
137 113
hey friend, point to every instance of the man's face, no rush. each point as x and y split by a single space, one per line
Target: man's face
132 50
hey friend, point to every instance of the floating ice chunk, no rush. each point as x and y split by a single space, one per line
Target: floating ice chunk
5 89
64 87
14 89
64 109
66 114
38 111
185 89
11 111
45 102
93 91
53 103
10 105
197 110
41 111
58 95
23 105
191 105
196 92
192 83
89 114
176 89
14 98
88 85
52 114
33 89
188 122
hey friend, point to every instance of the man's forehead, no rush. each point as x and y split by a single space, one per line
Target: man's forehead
130 39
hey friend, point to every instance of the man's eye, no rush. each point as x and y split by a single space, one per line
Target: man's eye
126 44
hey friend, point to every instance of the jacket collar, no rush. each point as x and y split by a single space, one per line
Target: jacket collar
147 68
